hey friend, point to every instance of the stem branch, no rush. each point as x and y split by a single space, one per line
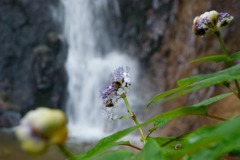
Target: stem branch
133 117
221 43
66 152
216 117
130 145
220 39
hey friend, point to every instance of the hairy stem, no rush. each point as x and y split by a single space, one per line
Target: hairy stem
220 39
133 117
222 45
63 148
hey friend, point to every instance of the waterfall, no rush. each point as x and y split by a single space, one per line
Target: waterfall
92 55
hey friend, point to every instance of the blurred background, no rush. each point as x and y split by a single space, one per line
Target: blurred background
60 53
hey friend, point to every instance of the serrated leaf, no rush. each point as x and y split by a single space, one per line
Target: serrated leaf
212 100
229 74
215 58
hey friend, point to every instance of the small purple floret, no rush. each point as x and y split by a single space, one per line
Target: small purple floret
223 15
120 80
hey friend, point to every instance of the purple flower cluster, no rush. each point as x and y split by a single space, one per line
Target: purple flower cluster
210 22
224 19
119 86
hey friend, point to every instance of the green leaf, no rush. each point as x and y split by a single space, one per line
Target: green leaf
150 151
116 155
186 81
229 74
210 142
189 80
212 100
106 143
163 140
178 112
235 55
169 144
215 58
160 123
164 118
110 141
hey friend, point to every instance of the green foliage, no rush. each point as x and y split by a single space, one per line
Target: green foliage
212 100
216 58
160 123
235 55
150 151
207 143
195 83
210 142
116 155
216 142
111 141
106 143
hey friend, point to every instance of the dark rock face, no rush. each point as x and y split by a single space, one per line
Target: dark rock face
32 58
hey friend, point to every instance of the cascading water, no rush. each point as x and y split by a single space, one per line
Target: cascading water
92 56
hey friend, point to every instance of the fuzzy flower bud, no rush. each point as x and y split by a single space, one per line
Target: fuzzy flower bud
41 128
210 22
224 19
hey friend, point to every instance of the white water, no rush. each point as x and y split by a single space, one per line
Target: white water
91 58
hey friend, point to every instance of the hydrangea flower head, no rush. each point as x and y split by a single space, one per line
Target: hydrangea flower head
40 128
210 22
119 86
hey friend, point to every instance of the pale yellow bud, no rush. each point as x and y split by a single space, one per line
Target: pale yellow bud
40 128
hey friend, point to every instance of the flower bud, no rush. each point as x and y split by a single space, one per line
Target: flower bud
224 19
210 22
40 128
206 23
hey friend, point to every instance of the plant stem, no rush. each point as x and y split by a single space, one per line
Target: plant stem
63 148
133 117
230 158
130 145
238 88
150 132
220 39
230 89
174 139
221 43
216 117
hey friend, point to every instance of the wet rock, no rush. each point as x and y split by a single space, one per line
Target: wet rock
32 57
9 118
